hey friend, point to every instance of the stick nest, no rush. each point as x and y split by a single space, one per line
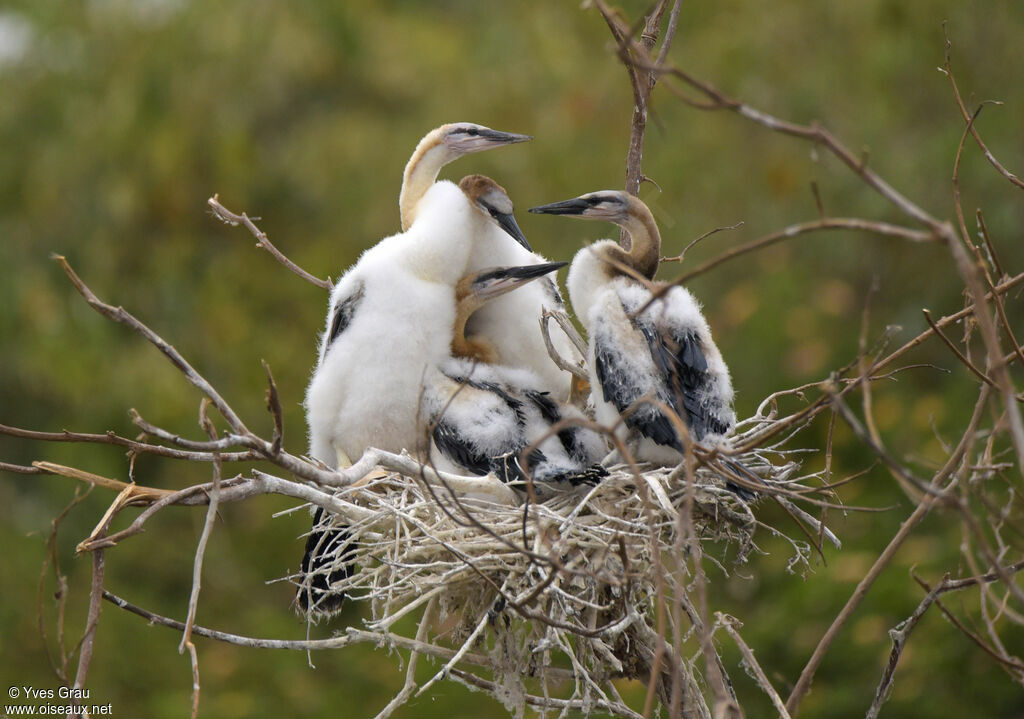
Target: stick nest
563 587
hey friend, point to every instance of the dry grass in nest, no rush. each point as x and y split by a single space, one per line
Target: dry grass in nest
562 589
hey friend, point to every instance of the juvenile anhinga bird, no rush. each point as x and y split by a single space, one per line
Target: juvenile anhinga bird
397 301
483 414
647 341
390 317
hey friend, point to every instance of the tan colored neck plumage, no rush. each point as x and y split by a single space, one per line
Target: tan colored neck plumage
420 173
472 348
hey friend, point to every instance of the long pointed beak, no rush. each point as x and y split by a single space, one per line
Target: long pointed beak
503 138
575 206
509 224
486 139
495 282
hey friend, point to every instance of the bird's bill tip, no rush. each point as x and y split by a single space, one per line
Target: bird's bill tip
574 207
508 223
543 268
484 138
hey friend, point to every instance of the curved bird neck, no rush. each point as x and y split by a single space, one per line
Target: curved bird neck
420 173
472 348
436 247
644 251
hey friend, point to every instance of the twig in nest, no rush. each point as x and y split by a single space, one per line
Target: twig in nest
571 592
562 363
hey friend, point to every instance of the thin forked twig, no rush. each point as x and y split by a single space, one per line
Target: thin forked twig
225 215
956 351
947 70
901 633
884 229
682 255
730 625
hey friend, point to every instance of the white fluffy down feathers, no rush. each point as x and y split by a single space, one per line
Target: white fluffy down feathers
365 389
388 339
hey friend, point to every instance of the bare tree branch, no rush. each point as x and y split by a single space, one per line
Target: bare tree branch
901 633
730 625
225 215
829 223
940 483
959 355
682 255
947 70
119 315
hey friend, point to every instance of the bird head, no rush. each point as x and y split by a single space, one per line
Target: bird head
607 205
490 198
438 147
485 285
463 138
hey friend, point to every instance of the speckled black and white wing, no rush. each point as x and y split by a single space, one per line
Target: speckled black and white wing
483 417
663 353
473 419
690 388
570 451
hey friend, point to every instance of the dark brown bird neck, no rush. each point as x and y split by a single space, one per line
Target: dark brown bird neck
644 251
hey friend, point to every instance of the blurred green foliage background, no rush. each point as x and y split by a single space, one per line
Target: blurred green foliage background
118 118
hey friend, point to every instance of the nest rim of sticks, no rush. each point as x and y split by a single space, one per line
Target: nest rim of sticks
570 571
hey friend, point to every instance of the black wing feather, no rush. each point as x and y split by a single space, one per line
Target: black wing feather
343 313
571 442
680 358
550 413
323 547
514 404
645 419
451 444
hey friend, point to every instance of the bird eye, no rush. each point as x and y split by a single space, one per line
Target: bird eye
459 130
